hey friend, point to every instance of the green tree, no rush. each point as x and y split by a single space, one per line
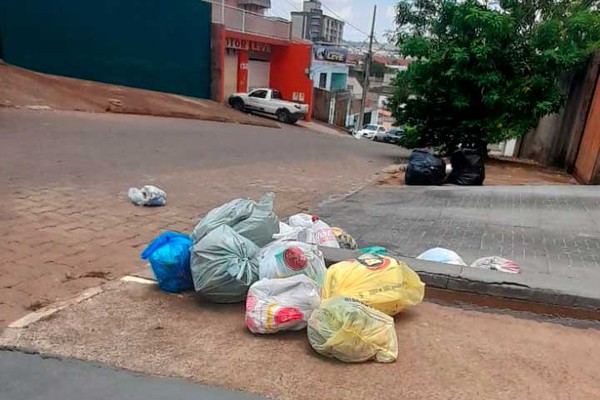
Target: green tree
378 69
485 72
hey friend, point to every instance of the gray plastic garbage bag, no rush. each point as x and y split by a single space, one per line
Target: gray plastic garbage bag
262 223
254 221
224 265
227 214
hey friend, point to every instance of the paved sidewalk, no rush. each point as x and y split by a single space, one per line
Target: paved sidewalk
32 377
552 232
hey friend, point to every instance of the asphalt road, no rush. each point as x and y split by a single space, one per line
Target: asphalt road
86 148
33 377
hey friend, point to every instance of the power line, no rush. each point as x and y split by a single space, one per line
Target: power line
294 6
345 22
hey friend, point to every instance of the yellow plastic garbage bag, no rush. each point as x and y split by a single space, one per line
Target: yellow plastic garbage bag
381 282
351 331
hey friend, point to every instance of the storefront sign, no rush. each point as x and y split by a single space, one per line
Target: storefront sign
242 44
330 53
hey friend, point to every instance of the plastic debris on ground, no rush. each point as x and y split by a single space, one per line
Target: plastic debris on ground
381 282
375 250
283 259
275 305
350 331
443 256
310 229
468 168
149 196
424 168
169 257
224 265
496 263
254 221
344 239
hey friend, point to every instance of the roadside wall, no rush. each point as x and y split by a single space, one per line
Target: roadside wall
557 138
290 67
162 45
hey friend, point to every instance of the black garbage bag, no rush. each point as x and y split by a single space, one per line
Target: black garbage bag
425 168
468 168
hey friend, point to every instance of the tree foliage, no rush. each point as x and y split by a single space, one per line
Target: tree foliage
485 72
378 69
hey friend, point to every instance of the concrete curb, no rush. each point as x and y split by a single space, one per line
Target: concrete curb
543 289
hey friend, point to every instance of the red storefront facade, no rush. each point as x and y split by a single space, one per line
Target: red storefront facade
243 61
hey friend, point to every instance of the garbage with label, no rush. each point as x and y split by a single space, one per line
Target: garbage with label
424 168
314 231
254 221
275 305
381 282
344 239
169 257
224 265
350 331
468 168
441 255
375 250
149 196
496 263
283 259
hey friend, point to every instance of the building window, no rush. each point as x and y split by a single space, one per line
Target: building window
323 80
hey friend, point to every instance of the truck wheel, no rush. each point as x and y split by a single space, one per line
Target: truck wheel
284 116
239 105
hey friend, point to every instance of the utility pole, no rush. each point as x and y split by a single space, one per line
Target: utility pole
368 61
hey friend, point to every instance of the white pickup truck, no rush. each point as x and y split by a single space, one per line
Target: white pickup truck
269 101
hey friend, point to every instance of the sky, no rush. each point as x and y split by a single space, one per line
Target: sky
356 12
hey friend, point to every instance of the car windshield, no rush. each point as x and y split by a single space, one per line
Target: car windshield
370 127
277 95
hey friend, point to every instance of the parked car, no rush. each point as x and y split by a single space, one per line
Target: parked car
392 136
269 102
370 131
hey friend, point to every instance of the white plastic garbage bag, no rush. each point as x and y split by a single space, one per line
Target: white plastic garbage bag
149 196
275 305
255 221
224 265
315 231
443 256
496 263
283 259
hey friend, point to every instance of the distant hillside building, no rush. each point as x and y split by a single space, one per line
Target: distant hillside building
312 24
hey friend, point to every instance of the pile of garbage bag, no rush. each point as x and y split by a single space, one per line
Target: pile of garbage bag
169 257
493 263
242 251
285 304
468 168
256 222
283 259
148 196
424 168
381 282
346 329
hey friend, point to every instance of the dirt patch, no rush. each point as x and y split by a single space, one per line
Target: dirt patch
21 88
504 172
444 352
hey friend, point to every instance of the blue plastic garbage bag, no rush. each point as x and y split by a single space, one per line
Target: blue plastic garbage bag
169 256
